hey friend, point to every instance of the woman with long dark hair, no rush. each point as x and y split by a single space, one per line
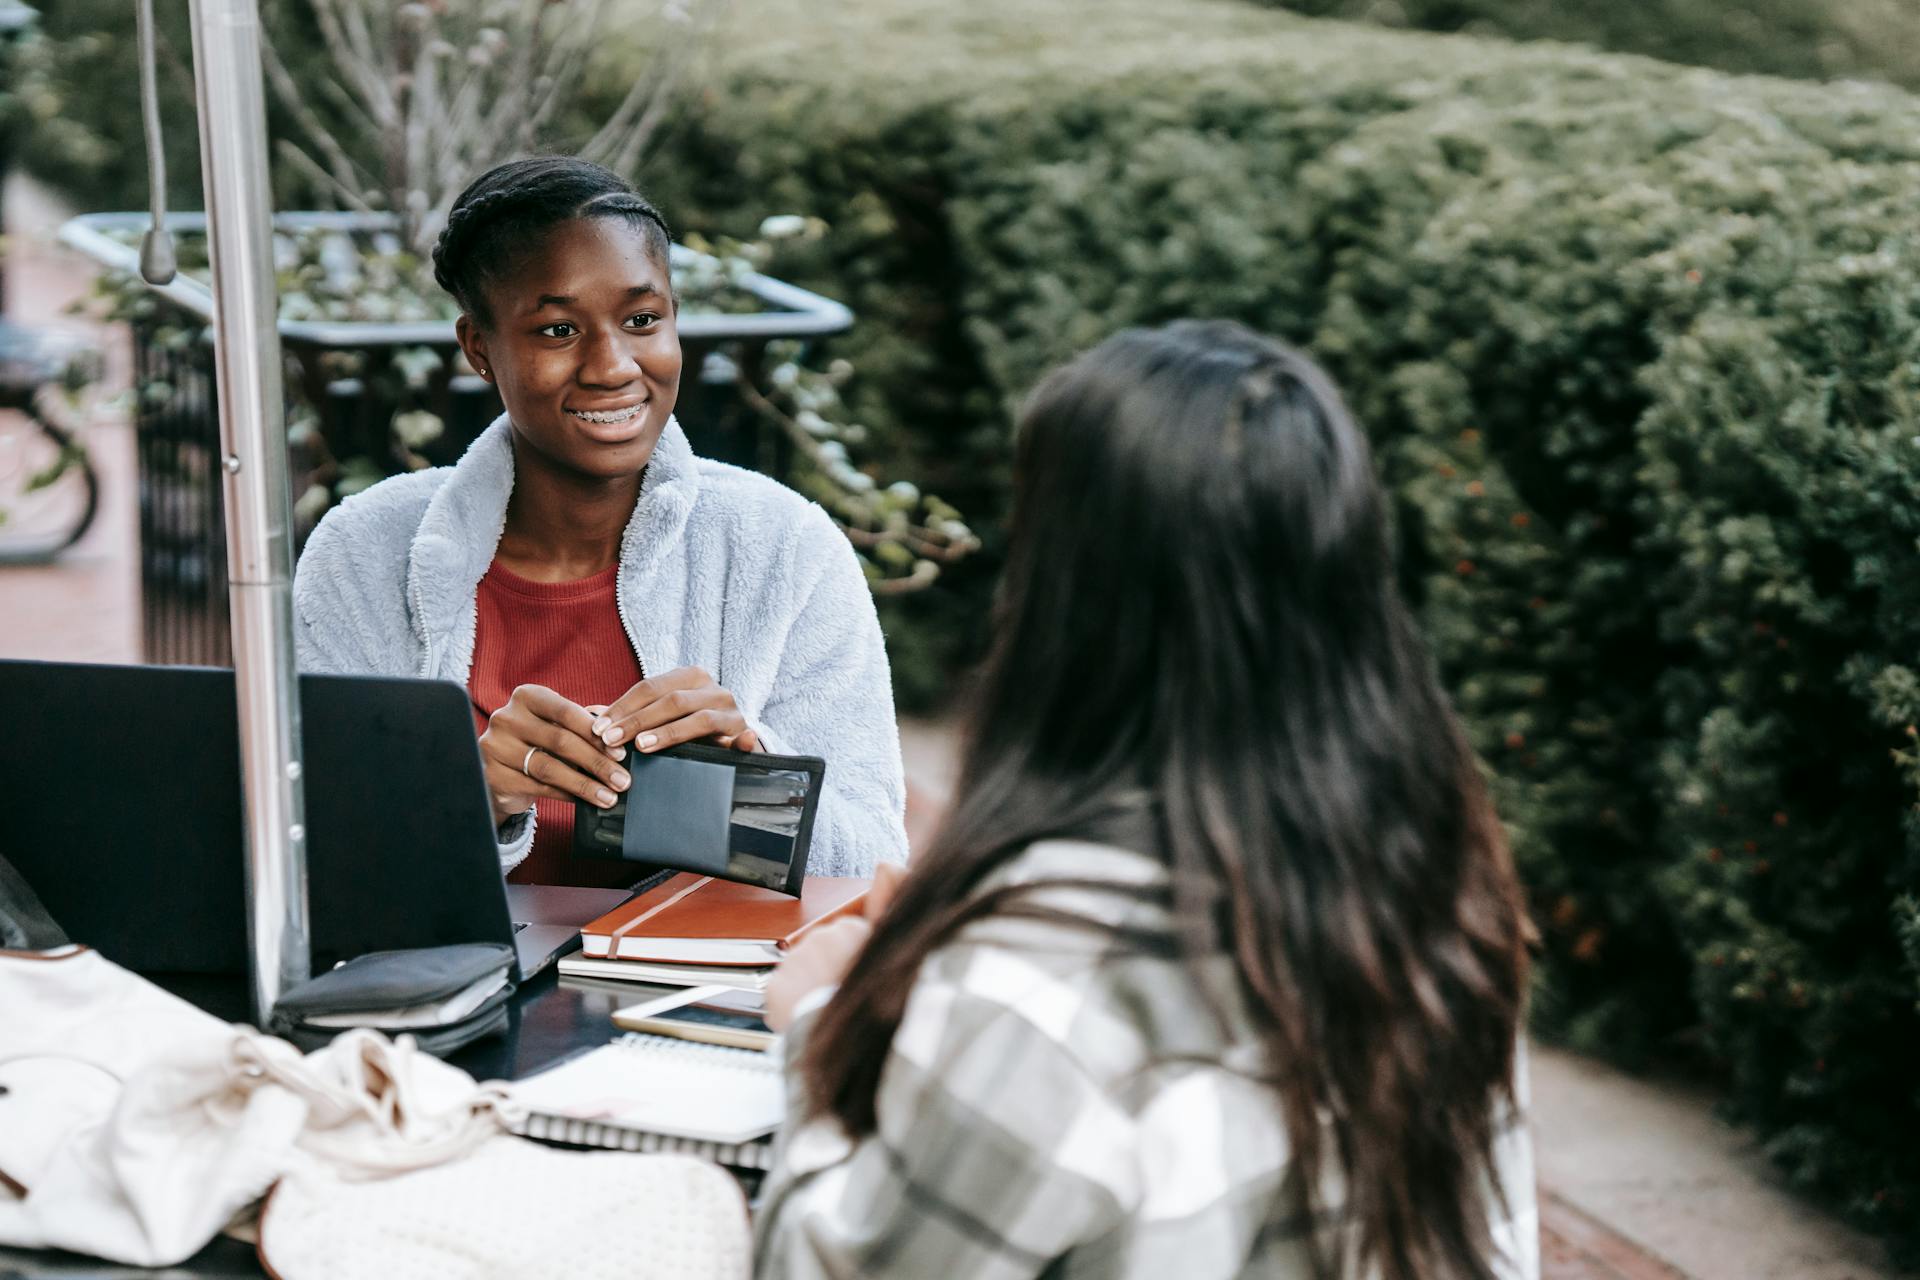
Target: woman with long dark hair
1217 967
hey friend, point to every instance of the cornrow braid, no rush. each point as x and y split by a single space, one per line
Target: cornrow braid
492 219
462 222
630 203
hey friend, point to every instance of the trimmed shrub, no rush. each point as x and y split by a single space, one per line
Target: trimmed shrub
1639 348
1811 39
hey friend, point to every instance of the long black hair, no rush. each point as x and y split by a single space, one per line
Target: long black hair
1199 603
512 202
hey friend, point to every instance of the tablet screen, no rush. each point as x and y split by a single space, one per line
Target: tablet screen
701 1015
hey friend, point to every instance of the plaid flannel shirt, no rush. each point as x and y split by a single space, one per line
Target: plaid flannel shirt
1054 1104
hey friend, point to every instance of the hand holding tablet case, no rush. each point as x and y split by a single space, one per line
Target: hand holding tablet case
738 815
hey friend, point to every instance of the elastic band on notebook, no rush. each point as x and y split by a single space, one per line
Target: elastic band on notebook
613 939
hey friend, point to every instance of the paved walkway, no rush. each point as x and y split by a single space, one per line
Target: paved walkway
1647 1162
1638 1181
86 606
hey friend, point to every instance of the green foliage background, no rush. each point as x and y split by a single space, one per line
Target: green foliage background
1868 39
1639 347
77 85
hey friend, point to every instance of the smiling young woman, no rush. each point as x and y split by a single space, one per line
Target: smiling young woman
591 582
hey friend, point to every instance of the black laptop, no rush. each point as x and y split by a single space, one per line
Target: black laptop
120 804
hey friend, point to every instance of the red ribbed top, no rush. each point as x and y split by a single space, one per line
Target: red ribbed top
568 637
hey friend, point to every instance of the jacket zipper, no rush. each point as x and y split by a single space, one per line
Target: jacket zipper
420 624
620 607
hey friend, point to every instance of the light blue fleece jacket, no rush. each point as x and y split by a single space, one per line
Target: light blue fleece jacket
720 568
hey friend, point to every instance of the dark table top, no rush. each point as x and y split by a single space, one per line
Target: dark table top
545 1023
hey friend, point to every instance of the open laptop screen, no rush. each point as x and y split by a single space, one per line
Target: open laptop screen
123 813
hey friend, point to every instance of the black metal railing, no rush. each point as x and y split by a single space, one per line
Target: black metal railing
183 541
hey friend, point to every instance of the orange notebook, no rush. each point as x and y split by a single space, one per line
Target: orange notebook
694 919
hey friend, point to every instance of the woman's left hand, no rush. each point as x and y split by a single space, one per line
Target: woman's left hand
681 706
821 959
825 954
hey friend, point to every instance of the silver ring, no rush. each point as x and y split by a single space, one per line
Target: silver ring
526 766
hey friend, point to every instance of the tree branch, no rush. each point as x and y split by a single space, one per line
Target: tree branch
514 93
344 172
924 543
364 72
619 143
422 106
919 578
347 195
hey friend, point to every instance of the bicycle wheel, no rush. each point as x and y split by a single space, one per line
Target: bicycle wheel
49 491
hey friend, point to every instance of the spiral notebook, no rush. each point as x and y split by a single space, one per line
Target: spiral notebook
654 1093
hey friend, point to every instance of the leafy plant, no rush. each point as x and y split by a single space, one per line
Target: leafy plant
905 537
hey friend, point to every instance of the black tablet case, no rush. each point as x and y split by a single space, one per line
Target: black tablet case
677 811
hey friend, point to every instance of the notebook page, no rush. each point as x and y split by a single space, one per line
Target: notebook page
661 1085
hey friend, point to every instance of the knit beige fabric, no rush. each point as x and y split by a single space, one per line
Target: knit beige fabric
513 1210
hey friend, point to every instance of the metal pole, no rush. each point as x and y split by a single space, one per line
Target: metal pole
253 440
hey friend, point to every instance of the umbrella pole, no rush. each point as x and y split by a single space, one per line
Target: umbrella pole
233 158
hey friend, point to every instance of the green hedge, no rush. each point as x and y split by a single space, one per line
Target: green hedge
1810 39
1640 349
76 80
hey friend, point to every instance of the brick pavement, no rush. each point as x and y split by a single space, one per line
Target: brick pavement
1577 1246
86 606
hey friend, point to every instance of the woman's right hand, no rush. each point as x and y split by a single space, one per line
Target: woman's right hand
541 746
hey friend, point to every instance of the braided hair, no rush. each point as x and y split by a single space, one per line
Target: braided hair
512 201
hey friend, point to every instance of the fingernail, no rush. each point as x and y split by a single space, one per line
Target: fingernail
604 796
647 740
620 779
600 725
614 735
